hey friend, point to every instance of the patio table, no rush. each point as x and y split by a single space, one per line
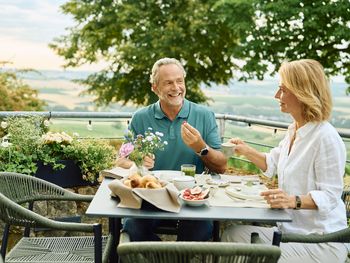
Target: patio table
103 205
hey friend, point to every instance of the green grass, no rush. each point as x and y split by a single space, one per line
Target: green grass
100 129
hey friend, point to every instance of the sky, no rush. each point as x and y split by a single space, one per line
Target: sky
26 29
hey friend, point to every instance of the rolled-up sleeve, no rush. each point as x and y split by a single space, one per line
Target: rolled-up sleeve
329 171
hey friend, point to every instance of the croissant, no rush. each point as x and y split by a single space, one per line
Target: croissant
153 185
146 179
135 180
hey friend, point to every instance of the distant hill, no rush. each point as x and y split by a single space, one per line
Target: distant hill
240 98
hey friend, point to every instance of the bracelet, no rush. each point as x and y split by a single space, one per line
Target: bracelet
297 202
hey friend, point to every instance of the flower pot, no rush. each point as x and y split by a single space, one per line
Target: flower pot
69 176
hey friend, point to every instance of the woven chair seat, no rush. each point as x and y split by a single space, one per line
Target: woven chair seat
57 249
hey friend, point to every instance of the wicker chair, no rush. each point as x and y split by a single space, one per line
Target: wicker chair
341 236
179 252
18 189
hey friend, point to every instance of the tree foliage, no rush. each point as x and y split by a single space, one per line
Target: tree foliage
16 95
294 29
214 39
131 35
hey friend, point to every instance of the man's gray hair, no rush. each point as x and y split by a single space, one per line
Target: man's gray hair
164 61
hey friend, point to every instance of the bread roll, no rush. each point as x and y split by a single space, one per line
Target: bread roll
146 179
135 180
153 185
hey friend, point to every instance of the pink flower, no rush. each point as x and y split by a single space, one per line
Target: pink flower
126 149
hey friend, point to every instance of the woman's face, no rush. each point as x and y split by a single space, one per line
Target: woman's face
289 103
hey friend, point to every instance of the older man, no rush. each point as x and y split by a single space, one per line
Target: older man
192 135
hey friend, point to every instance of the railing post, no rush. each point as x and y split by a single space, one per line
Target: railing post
222 128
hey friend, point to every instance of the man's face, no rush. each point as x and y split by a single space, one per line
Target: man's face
170 88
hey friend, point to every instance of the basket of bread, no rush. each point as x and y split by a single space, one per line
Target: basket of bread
133 189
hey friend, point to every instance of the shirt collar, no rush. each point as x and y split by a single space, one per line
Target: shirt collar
302 131
184 112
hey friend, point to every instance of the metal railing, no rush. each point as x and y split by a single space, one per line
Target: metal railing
222 118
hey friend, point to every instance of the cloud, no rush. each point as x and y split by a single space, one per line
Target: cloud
26 29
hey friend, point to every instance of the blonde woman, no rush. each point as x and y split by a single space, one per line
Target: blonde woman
310 164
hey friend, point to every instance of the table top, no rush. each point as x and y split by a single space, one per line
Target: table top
103 205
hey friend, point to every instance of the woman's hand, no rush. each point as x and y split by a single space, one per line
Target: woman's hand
241 146
148 161
277 198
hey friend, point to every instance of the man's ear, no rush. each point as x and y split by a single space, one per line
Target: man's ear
154 88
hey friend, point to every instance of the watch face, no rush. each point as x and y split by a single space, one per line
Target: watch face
204 152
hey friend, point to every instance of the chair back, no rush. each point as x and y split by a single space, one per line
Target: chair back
22 188
178 252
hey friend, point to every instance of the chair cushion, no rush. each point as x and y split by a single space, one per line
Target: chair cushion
54 249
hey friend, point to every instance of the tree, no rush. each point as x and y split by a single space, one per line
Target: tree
294 29
131 35
214 39
17 96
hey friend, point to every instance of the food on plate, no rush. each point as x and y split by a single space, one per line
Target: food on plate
196 193
147 181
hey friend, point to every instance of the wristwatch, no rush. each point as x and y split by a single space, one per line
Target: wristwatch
204 151
297 202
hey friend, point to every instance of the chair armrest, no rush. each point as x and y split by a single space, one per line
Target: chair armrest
341 236
15 214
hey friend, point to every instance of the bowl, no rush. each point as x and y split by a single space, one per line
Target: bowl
194 202
183 182
189 202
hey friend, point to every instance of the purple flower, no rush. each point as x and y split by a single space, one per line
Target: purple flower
126 149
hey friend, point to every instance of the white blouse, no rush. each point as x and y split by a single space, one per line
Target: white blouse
315 166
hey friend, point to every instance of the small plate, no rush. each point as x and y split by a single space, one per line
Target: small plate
236 191
218 182
167 175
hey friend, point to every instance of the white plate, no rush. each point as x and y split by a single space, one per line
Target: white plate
236 191
167 175
218 182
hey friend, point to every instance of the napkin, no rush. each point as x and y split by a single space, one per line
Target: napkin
116 172
220 198
119 172
165 198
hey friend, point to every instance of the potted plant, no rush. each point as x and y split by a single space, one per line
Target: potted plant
29 148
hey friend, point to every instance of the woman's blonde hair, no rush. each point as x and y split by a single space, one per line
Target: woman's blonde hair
306 79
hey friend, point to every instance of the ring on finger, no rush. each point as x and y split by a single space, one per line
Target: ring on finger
274 196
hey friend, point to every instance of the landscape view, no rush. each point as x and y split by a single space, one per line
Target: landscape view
254 99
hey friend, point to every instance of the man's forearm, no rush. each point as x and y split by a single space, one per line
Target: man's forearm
215 161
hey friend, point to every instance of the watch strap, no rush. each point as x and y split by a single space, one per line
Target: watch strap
297 202
203 151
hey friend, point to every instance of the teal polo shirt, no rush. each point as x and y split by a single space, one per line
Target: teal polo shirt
177 152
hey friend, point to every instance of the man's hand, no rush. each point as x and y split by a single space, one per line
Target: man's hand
148 161
191 137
